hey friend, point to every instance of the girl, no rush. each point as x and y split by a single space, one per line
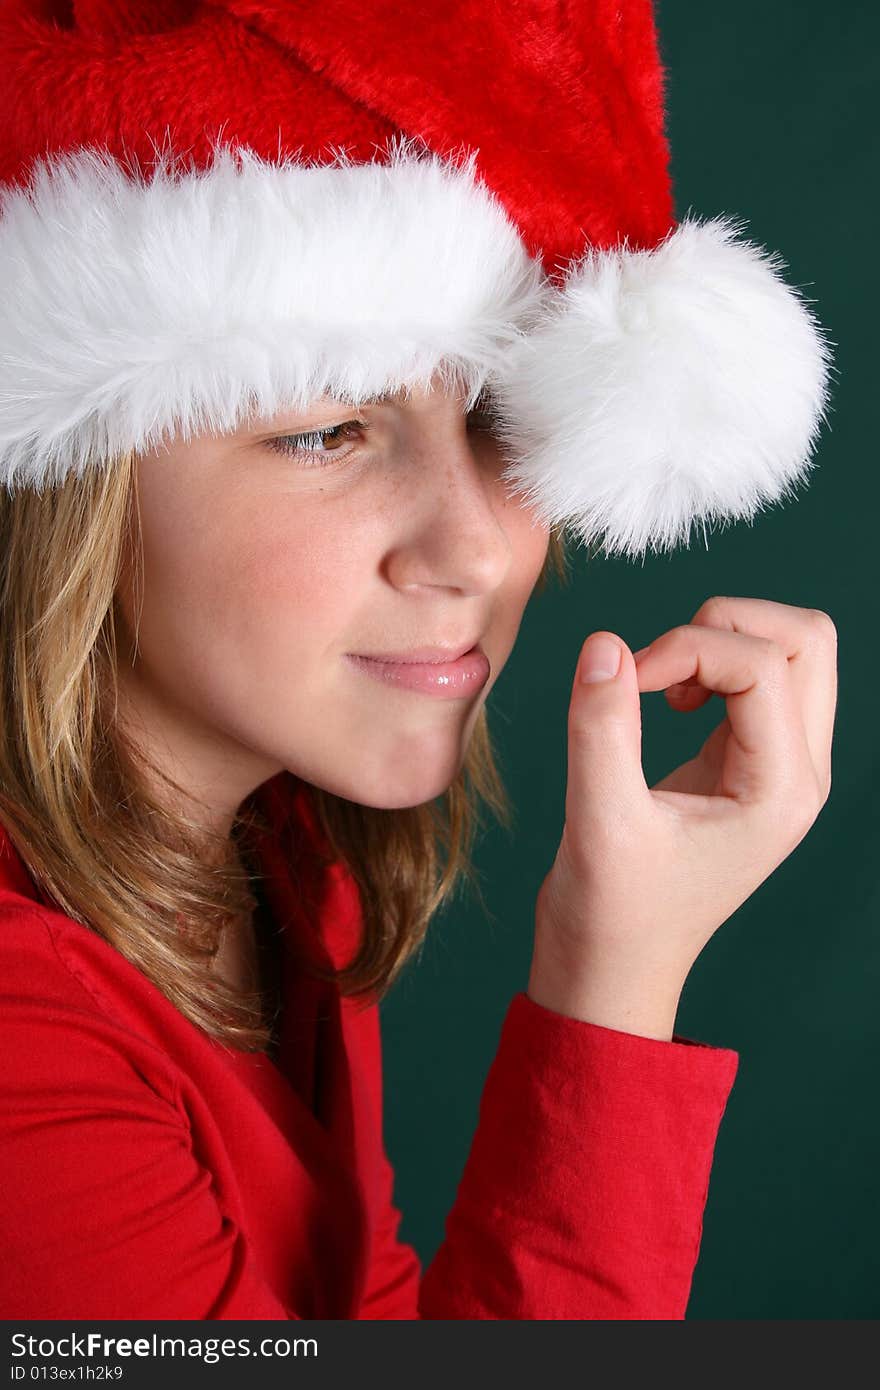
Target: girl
262 564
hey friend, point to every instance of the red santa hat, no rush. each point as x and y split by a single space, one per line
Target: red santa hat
218 208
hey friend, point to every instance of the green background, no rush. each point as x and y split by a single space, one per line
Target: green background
771 116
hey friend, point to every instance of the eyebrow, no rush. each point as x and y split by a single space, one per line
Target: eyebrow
378 398
340 402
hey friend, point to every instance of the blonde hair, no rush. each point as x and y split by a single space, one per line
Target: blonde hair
75 798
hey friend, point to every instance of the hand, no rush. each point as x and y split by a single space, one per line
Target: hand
643 877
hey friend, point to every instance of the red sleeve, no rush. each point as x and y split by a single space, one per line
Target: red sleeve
84 1135
585 1185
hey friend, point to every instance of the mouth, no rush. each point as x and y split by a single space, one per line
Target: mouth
461 674
421 656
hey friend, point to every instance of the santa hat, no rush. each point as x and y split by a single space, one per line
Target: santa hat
218 208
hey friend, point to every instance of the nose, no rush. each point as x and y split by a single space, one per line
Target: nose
451 532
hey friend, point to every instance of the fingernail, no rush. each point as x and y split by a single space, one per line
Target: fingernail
641 652
600 660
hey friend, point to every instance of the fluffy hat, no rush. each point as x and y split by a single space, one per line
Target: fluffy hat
212 209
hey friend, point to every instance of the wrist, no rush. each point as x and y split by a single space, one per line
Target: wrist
607 988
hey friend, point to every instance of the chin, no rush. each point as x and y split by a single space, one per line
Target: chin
408 803
392 785
405 794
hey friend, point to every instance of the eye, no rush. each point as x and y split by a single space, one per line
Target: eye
483 416
312 445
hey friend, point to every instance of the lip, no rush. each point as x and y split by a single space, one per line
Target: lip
420 655
445 678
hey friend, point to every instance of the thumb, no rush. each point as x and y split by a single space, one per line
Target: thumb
605 732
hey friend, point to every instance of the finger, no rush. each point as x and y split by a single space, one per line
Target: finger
768 751
809 639
687 695
605 781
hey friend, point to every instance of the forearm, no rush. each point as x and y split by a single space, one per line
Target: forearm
586 1181
606 988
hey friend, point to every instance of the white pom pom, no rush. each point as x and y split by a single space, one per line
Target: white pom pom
663 387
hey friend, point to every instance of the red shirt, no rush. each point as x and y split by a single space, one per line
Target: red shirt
149 1171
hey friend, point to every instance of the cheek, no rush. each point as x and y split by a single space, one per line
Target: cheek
291 585
231 577
530 543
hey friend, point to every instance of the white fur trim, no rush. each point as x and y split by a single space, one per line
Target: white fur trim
654 389
686 383
136 308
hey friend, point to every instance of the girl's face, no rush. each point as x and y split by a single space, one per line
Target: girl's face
264 567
